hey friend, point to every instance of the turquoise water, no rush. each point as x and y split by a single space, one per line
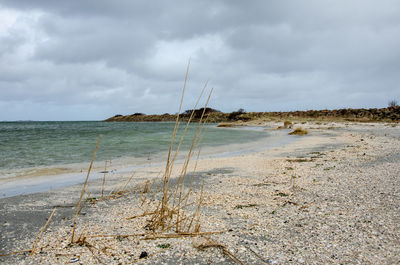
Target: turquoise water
43 144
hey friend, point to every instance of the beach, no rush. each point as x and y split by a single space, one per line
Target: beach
329 197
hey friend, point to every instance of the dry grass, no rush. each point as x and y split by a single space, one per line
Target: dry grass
41 232
299 131
79 205
104 179
287 124
225 124
170 211
212 244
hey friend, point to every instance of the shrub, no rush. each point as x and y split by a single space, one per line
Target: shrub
235 115
198 112
393 103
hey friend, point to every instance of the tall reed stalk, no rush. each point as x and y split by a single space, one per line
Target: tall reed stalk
78 205
104 179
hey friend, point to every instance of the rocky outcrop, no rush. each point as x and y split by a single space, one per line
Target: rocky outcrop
143 117
384 114
390 114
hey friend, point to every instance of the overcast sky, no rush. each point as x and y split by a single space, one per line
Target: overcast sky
89 60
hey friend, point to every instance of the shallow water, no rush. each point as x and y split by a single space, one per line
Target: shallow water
36 156
25 145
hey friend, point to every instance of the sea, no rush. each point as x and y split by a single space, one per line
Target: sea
31 151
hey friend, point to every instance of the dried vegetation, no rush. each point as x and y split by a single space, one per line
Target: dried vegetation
299 131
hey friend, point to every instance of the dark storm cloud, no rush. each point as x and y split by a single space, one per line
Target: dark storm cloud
106 57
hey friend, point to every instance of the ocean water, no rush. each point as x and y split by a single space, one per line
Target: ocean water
55 147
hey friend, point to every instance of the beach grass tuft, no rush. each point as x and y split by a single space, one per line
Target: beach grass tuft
299 131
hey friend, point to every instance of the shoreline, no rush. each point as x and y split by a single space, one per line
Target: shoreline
42 179
339 177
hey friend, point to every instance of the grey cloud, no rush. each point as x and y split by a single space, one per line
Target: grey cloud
130 56
10 43
100 40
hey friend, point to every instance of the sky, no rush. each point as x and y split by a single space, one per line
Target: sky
90 60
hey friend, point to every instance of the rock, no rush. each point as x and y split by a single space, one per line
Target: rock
143 255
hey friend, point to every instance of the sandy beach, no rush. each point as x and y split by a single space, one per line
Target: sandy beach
330 197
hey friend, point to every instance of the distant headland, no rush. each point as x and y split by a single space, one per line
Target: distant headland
389 114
